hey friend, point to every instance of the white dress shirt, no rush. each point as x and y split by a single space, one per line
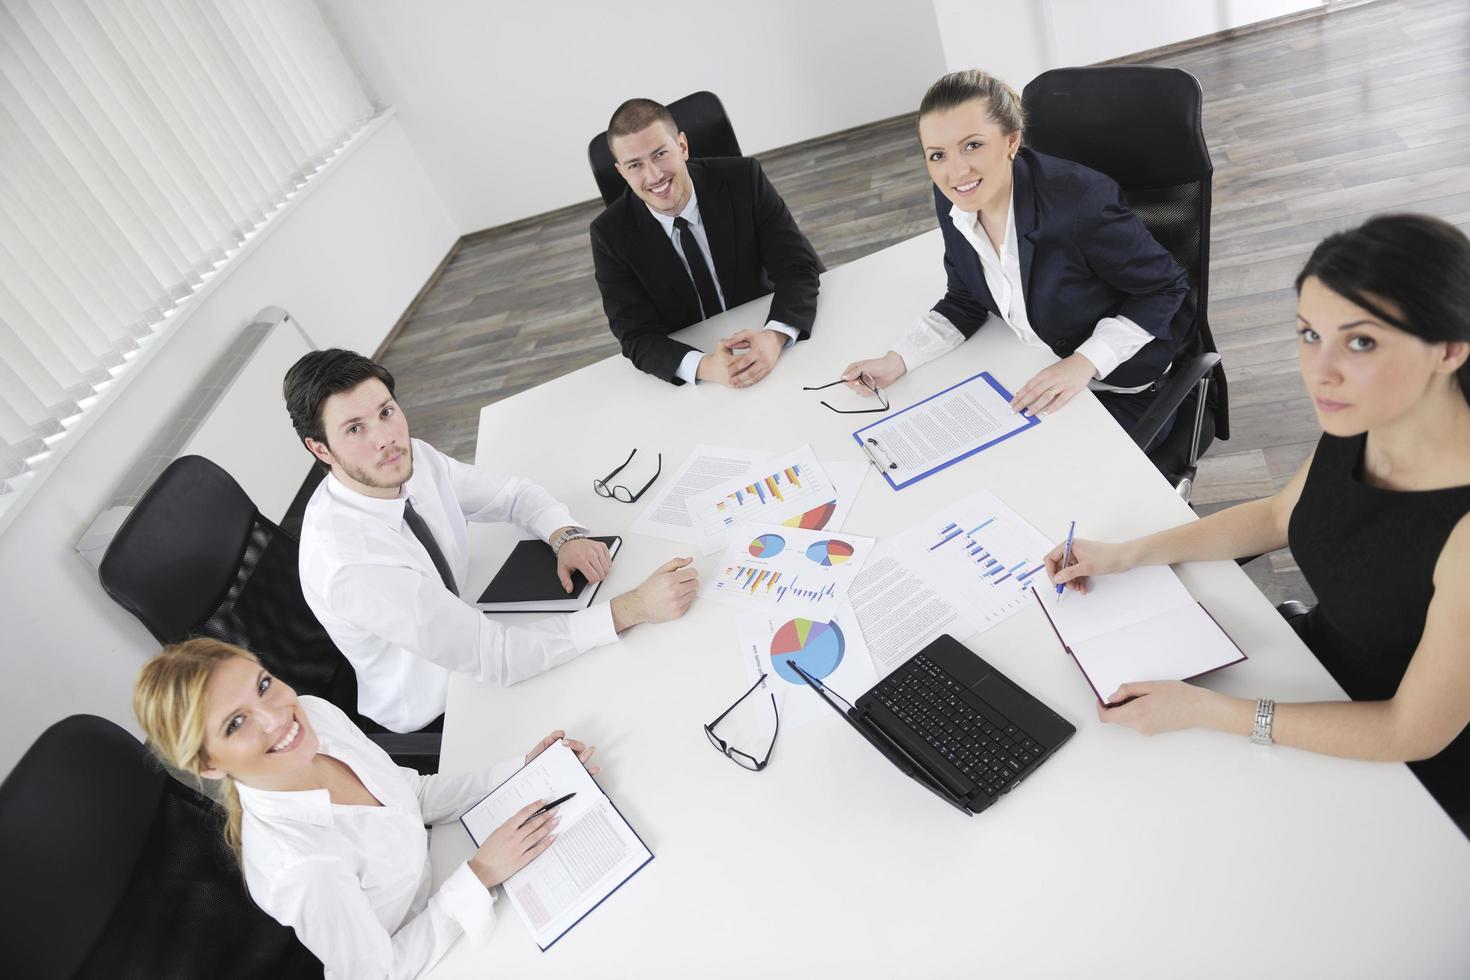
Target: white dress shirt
1113 340
378 595
353 881
690 364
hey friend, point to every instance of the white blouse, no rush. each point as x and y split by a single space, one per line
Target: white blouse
353 881
1113 340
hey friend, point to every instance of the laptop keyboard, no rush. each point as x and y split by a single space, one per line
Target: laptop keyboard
979 742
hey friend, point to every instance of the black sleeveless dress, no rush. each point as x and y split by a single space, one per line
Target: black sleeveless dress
1369 554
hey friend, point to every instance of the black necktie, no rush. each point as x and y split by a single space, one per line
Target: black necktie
704 283
420 529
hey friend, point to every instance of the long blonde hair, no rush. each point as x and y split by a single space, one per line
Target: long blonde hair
168 699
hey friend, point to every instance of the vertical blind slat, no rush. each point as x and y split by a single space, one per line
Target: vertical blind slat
140 144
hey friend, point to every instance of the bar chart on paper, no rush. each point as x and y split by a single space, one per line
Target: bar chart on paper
794 569
791 487
981 553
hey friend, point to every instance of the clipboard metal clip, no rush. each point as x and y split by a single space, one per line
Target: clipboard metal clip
871 447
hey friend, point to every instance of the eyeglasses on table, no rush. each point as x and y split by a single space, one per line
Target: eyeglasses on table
741 758
622 493
863 380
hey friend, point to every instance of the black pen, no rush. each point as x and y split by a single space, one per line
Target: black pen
541 810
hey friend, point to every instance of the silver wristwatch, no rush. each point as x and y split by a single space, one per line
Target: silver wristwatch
564 535
1265 712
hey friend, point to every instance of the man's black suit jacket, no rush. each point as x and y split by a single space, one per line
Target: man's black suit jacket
1084 256
754 241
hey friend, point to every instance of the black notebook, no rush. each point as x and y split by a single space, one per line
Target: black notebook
527 582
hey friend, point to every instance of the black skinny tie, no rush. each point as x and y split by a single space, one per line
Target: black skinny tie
420 529
704 283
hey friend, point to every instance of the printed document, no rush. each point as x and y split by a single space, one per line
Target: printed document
943 429
666 516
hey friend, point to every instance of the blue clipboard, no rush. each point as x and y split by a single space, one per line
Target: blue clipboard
1027 422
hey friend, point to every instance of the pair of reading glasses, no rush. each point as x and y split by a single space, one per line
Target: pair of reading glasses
867 383
622 493
744 759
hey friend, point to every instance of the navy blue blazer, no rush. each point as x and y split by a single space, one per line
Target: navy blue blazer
1084 256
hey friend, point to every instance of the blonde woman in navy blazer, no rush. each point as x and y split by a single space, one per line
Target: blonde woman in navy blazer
1048 247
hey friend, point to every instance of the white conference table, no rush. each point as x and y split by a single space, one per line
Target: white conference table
1189 854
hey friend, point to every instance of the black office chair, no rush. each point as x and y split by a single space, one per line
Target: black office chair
1141 125
113 869
196 558
700 116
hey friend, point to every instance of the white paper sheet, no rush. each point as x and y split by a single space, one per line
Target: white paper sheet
1115 601
899 612
774 490
830 648
939 430
666 516
794 570
980 555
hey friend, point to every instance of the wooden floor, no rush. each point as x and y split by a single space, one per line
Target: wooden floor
1313 126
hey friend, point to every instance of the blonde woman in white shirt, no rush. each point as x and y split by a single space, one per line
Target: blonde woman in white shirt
329 831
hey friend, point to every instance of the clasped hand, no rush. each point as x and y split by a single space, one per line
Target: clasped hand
743 358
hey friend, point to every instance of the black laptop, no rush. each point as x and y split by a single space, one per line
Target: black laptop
954 723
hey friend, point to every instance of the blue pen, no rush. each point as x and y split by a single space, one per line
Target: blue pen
1067 556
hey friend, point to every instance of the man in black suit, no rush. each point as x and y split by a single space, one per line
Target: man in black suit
688 240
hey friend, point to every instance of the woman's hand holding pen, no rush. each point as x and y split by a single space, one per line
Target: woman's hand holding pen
514 844
881 372
1089 558
1053 387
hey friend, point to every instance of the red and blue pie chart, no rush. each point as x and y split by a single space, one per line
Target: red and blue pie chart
767 546
816 646
829 552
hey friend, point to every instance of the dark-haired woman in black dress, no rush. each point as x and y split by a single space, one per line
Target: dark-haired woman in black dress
1378 519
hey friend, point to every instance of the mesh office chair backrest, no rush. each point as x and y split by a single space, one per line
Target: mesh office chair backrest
113 869
195 558
1142 126
701 116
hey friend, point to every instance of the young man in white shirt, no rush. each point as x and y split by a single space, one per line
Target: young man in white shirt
384 550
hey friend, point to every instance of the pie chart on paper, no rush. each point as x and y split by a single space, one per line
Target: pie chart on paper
767 546
816 646
829 552
814 519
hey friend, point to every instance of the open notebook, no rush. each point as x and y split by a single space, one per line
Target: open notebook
594 853
1141 625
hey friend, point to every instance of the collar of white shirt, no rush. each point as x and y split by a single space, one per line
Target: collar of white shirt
313 806
968 223
388 511
690 213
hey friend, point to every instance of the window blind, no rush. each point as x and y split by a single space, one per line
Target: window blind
140 144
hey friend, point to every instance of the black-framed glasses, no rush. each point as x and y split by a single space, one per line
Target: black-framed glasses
744 759
867 383
623 493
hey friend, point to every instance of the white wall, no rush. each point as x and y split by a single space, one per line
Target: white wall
1018 41
346 261
500 98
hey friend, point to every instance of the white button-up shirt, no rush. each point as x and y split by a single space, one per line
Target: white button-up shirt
353 881
690 213
377 593
1113 340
